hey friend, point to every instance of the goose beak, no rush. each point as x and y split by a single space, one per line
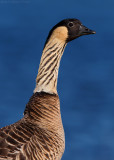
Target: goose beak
85 31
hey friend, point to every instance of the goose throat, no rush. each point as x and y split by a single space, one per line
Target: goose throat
46 80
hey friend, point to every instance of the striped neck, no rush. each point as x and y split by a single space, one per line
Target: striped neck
46 80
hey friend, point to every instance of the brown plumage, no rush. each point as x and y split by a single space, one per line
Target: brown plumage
39 135
36 134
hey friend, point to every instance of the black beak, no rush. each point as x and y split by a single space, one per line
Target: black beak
85 31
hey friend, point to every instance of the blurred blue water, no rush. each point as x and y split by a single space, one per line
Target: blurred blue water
86 77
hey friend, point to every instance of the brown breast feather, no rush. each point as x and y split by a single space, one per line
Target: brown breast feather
38 135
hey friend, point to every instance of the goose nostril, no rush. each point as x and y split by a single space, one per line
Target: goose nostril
86 29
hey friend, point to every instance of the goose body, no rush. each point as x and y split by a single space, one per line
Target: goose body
39 135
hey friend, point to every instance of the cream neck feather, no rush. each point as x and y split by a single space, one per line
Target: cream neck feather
46 80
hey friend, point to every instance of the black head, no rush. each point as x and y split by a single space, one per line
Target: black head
72 29
75 28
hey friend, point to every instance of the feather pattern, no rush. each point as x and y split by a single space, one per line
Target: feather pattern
38 135
48 70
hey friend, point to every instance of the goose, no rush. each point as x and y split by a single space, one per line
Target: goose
39 135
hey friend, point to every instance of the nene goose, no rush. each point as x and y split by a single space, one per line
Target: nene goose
39 135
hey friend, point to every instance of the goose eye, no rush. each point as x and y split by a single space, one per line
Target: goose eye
71 24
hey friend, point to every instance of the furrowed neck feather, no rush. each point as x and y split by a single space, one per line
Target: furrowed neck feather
46 80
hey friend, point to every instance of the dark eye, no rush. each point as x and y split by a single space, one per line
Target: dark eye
71 24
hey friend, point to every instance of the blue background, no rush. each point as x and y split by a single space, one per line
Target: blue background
86 75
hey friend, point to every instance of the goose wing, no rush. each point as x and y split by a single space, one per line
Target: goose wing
21 141
13 138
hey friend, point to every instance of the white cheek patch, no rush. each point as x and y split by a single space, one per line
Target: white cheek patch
60 33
